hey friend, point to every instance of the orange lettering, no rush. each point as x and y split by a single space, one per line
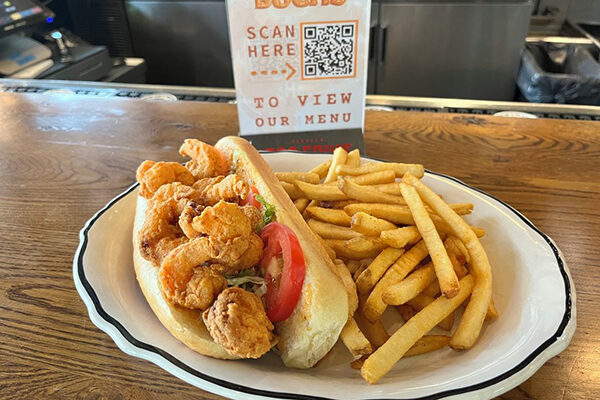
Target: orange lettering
262 4
331 98
309 119
251 33
281 3
263 32
346 97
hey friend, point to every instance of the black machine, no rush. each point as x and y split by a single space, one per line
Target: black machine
30 37
18 15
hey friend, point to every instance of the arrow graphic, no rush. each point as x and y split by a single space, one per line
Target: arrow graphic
293 71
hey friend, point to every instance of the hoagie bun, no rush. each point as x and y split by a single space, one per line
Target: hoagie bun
322 311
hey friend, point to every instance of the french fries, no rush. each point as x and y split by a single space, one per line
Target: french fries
301 204
394 242
369 225
400 214
366 194
292 190
384 358
354 339
399 238
318 192
357 248
398 168
332 231
333 216
427 344
377 268
374 305
441 262
408 288
471 322
292 177
322 169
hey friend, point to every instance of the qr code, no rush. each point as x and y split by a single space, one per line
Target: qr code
328 50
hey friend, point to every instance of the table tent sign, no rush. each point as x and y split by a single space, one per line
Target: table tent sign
300 69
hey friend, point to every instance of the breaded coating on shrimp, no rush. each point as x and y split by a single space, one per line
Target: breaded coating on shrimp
237 321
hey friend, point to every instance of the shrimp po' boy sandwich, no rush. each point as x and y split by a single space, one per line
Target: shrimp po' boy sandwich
227 262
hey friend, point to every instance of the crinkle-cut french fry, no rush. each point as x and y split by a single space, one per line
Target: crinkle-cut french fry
353 159
374 306
301 204
333 216
368 225
471 322
398 168
427 344
410 286
322 169
441 262
292 190
384 358
400 237
331 231
318 192
421 301
292 177
366 194
354 339
371 275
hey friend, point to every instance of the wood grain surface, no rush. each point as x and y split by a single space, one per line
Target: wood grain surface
62 158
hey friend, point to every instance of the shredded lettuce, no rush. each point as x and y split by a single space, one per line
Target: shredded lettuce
248 280
269 209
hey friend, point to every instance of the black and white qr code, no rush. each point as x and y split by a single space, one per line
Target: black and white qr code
328 50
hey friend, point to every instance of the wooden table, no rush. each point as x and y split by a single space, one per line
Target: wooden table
63 158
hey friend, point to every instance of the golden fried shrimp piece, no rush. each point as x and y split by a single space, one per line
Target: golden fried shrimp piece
237 321
249 258
228 230
177 194
187 280
159 235
152 176
190 211
254 215
206 161
231 189
203 183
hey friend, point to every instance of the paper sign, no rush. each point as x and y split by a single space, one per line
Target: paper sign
299 65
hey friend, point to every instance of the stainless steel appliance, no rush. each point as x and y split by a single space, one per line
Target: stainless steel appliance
460 49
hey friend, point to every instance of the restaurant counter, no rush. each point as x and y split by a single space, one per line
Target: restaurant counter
404 103
62 158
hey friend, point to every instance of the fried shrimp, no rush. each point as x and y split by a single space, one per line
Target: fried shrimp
249 258
159 235
231 189
228 230
152 176
206 161
161 232
177 194
190 211
188 278
237 320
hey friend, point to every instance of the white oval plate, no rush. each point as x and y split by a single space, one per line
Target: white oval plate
533 292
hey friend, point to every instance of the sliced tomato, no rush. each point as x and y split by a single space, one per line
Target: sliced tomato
283 262
251 198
